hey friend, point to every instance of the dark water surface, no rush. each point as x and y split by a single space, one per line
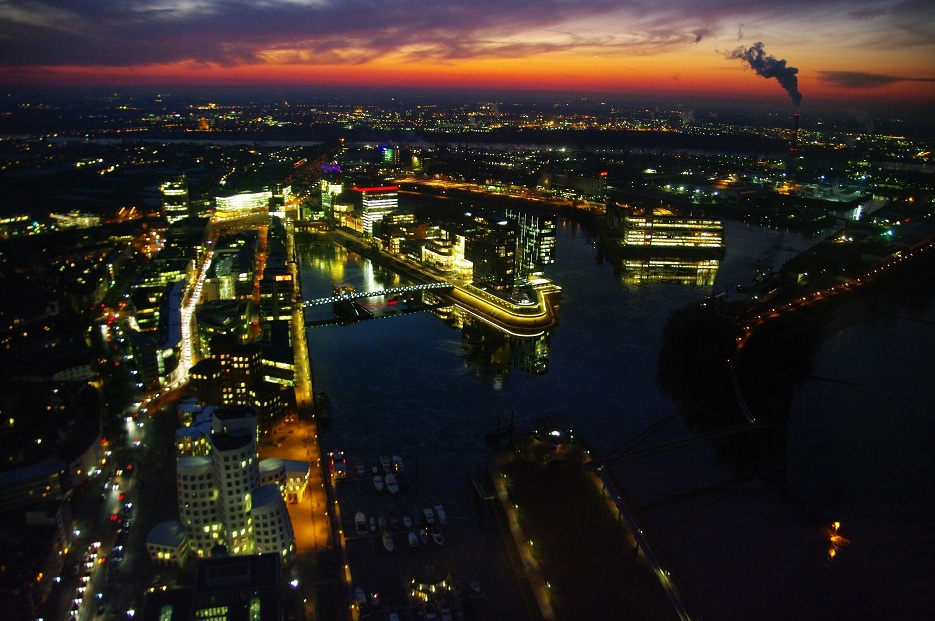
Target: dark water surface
411 385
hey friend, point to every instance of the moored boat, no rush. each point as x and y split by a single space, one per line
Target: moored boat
360 520
424 536
407 521
392 486
413 540
397 463
437 537
440 514
378 482
386 464
388 542
373 524
429 516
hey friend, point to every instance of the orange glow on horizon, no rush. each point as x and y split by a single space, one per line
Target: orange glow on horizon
672 75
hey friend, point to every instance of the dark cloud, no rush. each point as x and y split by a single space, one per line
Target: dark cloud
859 79
768 66
132 32
129 32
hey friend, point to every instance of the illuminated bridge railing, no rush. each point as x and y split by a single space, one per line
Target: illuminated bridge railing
373 294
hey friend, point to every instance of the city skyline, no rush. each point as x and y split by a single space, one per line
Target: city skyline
866 53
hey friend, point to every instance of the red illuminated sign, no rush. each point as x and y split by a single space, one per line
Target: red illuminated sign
379 188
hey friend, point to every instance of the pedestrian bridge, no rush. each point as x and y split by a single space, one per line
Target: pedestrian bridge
373 294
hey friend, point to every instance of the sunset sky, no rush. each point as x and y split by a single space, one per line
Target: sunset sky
844 51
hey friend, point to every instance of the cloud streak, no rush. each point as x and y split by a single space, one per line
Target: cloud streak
588 41
129 32
860 80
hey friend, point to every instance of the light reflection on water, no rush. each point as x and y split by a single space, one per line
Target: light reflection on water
412 385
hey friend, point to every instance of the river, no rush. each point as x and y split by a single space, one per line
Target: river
412 385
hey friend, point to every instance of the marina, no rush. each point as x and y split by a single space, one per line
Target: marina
397 546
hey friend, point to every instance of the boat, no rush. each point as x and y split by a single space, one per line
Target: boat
359 596
416 516
361 472
378 482
440 514
391 485
397 463
388 542
385 463
413 540
373 525
407 522
475 586
437 537
429 516
382 524
393 519
424 536
360 520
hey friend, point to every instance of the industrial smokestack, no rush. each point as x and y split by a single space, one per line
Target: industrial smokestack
769 67
795 133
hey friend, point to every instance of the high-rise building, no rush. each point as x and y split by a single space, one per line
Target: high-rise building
276 292
198 496
535 242
376 202
233 452
175 198
490 245
221 499
330 189
241 366
242 204
279 196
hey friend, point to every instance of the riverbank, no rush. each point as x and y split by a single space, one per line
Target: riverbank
571 544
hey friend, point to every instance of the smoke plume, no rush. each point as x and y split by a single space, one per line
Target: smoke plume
769 67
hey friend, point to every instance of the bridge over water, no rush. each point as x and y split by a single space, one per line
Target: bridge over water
373 294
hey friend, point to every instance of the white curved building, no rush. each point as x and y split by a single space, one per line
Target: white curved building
273 472
198 496
222 495
235 462
272 528
168 543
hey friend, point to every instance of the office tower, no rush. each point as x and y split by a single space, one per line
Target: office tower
535 242
276 292
376 202
330 188
490 245
198 495
233 451
175 198
242 204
